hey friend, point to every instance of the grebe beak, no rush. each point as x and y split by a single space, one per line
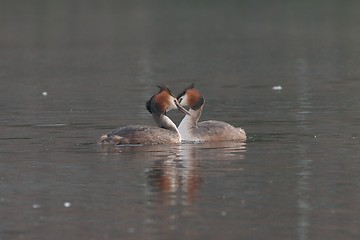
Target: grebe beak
180 108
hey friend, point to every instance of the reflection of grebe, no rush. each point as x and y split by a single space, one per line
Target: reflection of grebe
207 131
177 177
166 132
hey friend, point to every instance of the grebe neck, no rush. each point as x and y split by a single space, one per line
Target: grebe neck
189 122
196 114
193 118
165 122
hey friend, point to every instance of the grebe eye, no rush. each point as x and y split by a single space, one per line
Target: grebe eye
180 99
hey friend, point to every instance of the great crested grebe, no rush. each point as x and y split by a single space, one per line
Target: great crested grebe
165 132
207 131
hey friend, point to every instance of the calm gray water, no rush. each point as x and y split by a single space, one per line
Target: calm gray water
73 70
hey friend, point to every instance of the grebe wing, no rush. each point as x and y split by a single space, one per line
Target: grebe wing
139 134
219 131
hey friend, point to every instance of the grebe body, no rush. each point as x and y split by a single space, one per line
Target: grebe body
165 131
207 131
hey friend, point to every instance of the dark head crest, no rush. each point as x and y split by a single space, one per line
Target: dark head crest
183 92
151 106
148 102
163 87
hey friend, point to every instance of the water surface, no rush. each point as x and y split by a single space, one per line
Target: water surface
98 62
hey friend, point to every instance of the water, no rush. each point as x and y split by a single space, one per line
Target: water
295 178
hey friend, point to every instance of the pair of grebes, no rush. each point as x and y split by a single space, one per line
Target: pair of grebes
189 130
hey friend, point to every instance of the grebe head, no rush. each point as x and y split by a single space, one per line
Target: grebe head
164 101
191 97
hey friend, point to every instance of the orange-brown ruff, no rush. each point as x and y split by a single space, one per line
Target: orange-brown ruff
165 132
206 131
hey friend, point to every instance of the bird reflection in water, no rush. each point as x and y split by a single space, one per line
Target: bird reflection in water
178 177
174 175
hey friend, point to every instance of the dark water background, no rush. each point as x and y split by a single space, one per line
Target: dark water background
297 176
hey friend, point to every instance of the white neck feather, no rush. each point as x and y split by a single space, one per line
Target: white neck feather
164 121
188 124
